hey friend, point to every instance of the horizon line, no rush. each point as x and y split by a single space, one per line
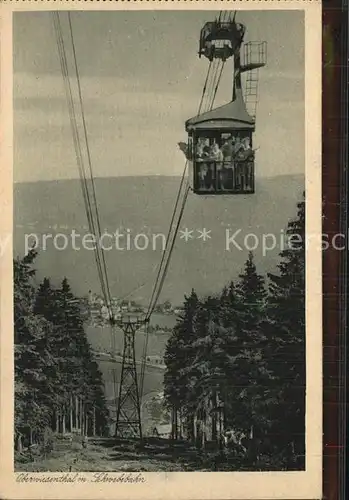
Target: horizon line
145 175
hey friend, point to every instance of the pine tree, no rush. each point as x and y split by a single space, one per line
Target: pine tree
212 370
177 359
286 331
82 382
44 300
34 363
228 310
57 382
250 364
95 399
79 398
247 349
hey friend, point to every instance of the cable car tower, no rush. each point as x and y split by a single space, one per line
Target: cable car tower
220 141
128 416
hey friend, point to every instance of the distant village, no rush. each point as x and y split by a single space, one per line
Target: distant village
96 314
96 310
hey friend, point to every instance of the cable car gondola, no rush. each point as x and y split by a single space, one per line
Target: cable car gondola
220 141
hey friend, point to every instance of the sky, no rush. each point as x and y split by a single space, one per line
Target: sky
141 79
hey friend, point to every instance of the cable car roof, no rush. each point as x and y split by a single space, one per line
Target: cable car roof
227 117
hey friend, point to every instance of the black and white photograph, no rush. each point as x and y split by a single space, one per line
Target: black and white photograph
161 203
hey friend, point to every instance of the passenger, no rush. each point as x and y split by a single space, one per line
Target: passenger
206 152
221 178
200 149
216 153
227 150
202 173
209 178
227 174
245 167
238 146
249 152
246 143
184 148
218 158
238 175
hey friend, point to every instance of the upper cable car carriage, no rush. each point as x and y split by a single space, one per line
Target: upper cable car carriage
220 141
231 35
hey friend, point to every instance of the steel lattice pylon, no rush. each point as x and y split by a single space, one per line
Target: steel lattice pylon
128 417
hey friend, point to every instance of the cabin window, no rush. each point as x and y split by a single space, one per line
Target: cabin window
224 162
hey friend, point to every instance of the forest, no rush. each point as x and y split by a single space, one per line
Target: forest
58 386
235 364
234 384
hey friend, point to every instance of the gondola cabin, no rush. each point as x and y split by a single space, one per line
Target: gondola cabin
219 40
220 147
220 150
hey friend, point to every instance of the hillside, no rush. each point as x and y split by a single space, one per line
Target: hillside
144 205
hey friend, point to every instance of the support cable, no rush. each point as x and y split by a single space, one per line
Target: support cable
168 236
217 85
159 290
205 87
210 86
90 166
172 246
76 138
